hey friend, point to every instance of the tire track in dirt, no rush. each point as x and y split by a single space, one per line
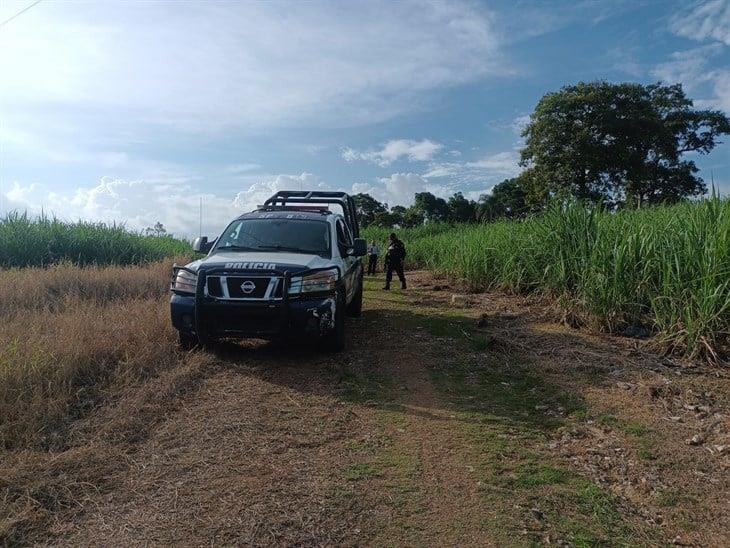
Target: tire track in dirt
243 461
425 432
260 454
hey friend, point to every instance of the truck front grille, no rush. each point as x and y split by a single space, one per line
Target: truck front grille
247 288
242 287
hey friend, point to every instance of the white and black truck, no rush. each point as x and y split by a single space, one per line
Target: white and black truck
291 268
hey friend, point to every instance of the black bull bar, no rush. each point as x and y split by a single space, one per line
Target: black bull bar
282 304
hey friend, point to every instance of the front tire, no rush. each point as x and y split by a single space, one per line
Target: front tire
187 342
334 341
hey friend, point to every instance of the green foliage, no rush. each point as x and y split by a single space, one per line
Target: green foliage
25 241
507 200
432 208
618 144
461 210
369 210
666 267
427 208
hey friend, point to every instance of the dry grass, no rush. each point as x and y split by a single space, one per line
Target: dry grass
38 488
68 336
88 363
64 286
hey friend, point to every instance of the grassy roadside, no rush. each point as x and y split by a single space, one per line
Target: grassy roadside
88 364
505 415
666 269
69 337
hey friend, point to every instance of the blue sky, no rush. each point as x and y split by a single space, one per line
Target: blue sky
131 111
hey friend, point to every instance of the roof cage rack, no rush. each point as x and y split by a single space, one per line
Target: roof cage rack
290 197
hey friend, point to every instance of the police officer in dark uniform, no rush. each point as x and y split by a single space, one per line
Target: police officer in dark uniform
394 261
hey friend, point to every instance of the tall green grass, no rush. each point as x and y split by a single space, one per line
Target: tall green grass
667 268
42 241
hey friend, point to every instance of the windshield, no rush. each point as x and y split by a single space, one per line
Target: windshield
295 235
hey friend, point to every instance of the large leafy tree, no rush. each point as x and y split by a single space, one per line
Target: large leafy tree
412 216
508 199
432 208
461 209
385 219
368 208
618 144
398 213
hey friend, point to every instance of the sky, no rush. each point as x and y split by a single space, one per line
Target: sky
132 112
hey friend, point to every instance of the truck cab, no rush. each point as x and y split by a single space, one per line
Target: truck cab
290 269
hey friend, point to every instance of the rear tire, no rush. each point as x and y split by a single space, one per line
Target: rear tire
354 309
334 341
187 342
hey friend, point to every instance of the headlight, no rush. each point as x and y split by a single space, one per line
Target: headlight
326 280
185 281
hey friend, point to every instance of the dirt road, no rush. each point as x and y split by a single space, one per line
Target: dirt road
484 424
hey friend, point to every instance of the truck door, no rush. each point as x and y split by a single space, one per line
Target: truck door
344 242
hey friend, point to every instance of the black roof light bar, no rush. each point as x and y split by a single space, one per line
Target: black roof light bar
291 197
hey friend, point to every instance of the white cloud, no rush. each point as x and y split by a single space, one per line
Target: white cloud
687 66
691 68
491 168
238 169
19 194
414 151
721 86
364 188
520 123
704 20
444 169
99 87
350 154
139 204
502 163
257 193
400 188
624 57
244 65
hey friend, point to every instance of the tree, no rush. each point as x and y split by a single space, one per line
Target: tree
385 219
507 199
157 230
399 216
617 144
398 213
461 210
367 208
412 217
432 209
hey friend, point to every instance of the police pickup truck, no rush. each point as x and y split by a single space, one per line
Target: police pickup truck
290 268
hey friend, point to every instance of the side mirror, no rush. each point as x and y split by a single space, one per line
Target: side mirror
359 247
202 245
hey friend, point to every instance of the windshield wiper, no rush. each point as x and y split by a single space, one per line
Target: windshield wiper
235 247
285 248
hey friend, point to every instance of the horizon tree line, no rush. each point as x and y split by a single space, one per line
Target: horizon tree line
603 144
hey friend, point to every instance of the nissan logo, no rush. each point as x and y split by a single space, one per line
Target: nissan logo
248 286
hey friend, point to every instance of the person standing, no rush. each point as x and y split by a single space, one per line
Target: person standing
373 252
394 258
